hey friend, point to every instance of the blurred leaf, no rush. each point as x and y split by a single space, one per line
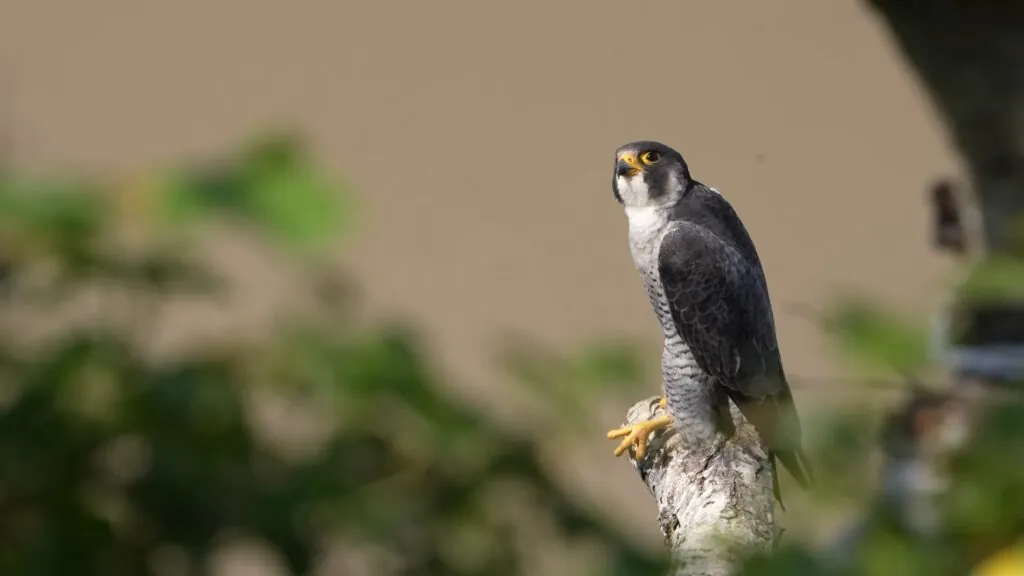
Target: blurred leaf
291 197
566 380
1007 562
190 195
60 219
995 279
167 271
614 365
272 184
984 506
877 338
51 207
785 561
839 450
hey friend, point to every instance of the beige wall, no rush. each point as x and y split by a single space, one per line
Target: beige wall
479 135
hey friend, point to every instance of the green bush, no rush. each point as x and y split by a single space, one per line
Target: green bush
116 460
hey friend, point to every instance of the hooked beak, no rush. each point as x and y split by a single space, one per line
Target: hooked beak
627 165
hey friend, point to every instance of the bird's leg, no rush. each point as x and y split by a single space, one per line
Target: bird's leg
638 434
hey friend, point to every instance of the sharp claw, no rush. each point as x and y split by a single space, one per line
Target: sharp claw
618 433
623 446
636 434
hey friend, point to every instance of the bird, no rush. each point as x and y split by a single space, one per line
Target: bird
708 290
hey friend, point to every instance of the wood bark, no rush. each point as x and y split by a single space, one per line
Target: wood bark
715 501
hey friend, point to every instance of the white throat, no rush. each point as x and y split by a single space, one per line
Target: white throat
646 215
635 193
642 218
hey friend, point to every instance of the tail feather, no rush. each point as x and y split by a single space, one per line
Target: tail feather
775 482
795 462
776 421
798 466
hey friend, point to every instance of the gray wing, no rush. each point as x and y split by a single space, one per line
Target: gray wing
721 309
720 306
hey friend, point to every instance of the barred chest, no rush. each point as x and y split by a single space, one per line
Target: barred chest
647 228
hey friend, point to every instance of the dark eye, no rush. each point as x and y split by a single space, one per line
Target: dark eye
650 157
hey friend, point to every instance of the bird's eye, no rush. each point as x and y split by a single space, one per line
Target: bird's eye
650 157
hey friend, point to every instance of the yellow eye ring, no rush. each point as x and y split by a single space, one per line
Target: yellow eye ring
650 157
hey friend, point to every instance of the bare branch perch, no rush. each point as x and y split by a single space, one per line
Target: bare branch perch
715 502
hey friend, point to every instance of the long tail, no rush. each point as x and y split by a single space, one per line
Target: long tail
797 464
776 421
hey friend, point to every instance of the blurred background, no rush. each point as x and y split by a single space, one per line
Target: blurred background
425 316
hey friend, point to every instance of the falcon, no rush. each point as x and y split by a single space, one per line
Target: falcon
708 290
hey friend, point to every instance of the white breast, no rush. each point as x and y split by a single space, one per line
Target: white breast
647 228
686 388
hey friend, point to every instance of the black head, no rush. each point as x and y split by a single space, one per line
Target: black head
649 173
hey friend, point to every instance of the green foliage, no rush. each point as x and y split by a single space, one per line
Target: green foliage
113 457
876 338
979 509
984 506
980 513
271 184
993 279
568 381
839 450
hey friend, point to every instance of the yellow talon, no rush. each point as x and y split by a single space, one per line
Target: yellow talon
638 434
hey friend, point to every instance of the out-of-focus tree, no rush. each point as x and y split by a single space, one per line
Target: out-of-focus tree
949 495
951 491
117 460
968 57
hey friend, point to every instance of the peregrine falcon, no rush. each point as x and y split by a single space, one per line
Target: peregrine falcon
705 282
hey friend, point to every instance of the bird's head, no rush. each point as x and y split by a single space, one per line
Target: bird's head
649 174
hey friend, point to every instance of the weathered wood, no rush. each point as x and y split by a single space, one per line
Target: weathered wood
715 502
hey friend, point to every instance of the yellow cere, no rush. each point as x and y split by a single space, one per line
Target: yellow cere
630 159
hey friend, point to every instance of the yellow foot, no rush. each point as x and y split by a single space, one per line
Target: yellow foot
637 434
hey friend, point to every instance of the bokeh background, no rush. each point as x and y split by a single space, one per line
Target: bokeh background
475 140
